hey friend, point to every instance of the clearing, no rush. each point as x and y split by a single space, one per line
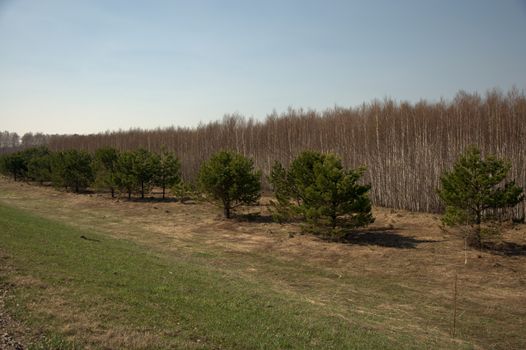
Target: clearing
86 271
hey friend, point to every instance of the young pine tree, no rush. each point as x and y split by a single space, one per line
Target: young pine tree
282 209
36 164
125 178
39 168
336 196
290 185
474 186
321 190
230 179
105 167
72 169
145 167
14 165
168 171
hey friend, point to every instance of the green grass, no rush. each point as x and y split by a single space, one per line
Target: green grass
183 304
107 292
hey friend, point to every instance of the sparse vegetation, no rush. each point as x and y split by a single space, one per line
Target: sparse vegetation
178 302
165 275
185 191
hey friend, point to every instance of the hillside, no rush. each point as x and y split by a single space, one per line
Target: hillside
97 272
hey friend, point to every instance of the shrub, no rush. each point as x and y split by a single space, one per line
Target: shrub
105 168
125 178
185 191
72 169
144 167
230 179
135 171
336 195
167 172
282 209
472 188
39 168
290 185
14 165
322 191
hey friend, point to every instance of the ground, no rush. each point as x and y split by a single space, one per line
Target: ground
395 278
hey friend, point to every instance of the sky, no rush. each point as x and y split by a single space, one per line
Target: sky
87 66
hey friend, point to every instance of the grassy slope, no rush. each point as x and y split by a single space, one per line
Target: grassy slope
120 294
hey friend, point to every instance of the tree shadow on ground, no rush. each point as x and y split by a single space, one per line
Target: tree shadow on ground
505 248
384 238
253 217
153 200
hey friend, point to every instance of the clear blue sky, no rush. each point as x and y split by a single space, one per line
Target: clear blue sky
95 65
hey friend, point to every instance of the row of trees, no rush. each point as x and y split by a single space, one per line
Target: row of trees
11 141
315 187
106 169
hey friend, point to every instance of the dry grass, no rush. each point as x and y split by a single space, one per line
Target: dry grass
397 275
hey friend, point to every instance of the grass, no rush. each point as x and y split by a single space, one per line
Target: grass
169 301
167 275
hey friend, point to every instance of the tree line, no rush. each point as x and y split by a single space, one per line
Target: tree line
316 188
130 172
11 142
405 146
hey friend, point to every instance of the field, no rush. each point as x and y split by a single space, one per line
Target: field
85 271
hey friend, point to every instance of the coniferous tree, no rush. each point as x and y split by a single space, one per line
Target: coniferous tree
290 184
230 179
185 191
473 187
335 194
14 165
282 209
18 164
125 178
321 190
145 166
167 173
301 174
105 166
72 169
39 166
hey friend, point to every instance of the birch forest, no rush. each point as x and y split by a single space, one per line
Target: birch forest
405 146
